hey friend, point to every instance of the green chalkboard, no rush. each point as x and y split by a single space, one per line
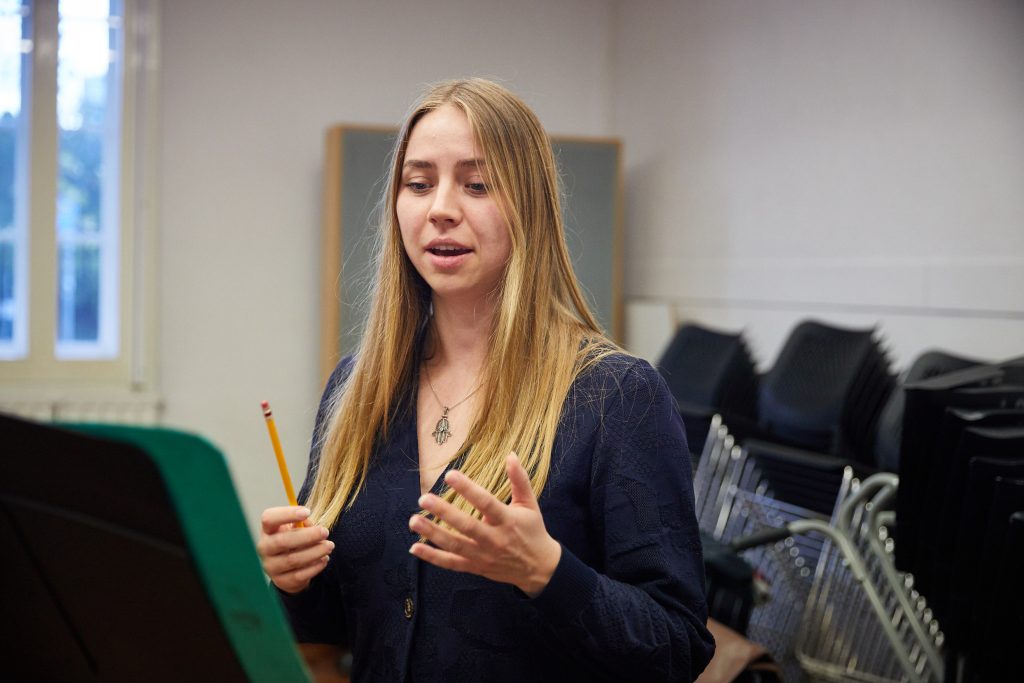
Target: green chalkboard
355 174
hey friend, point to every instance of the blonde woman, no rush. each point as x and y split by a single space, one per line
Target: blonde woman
495 491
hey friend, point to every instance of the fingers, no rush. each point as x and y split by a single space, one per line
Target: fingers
479 497
440 558
288 561
289 540
509 545
445 539
295 560
296 581
292 555
522 491
458 519
276 517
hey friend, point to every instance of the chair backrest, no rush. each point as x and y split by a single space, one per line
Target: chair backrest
1011 620
825 390
965 572
710 369
1008 620
890 424
991 434
926 402
808 480
1007 500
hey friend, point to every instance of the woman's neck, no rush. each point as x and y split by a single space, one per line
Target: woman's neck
460 337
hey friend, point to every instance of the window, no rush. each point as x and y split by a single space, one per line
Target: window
90 54
13 134
76 153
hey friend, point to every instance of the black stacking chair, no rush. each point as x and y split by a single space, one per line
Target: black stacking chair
817 409
875 383
1008 621
959 438
986 660
930 482
890 423
808 480
944 428
965 572
825 391
990 434
708 372
926 402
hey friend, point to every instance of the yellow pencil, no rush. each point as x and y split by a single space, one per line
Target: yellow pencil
281 464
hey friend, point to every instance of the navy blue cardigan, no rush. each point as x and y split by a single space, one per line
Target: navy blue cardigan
626 601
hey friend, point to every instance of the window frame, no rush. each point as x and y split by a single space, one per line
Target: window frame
42 373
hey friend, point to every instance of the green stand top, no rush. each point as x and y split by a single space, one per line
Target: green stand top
136 562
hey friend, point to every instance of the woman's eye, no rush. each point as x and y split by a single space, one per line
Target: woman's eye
417 186
477 188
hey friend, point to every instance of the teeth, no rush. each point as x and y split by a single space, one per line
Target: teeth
447 247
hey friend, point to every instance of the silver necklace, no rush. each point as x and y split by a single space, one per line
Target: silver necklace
442 431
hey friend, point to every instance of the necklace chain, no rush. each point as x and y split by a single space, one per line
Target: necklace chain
442 431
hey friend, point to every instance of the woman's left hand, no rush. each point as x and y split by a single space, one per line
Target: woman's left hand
510 544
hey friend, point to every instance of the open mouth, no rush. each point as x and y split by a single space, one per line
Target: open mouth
448 251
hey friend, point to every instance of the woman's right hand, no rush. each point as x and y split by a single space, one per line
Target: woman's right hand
292 555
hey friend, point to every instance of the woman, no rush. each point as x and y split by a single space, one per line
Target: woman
494 491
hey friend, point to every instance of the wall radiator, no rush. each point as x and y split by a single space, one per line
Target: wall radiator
139 409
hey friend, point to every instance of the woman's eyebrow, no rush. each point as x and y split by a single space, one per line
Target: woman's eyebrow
464 163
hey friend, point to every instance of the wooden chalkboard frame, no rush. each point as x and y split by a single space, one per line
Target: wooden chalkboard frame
355 169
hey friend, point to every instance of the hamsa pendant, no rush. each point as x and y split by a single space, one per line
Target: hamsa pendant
442 432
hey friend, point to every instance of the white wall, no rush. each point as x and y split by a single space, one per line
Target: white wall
248 89
859 161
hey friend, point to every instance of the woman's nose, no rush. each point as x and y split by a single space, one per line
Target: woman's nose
445 209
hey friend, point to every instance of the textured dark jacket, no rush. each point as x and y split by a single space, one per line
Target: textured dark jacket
626 601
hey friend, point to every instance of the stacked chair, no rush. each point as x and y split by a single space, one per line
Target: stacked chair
818 411
838 557
788 473
821 592
862 619
709 372
890 424
961 471
1003 630
825 391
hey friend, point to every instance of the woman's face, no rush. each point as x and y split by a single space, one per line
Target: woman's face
451 227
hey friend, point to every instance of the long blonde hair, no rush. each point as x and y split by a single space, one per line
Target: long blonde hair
544 334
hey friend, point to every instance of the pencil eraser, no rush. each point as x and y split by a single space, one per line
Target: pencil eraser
264 405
